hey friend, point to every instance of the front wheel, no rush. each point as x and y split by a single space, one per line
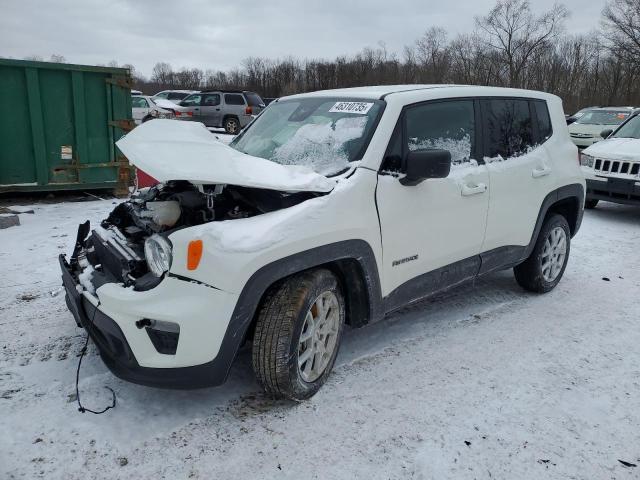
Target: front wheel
298 333
544 268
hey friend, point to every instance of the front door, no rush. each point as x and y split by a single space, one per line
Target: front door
432 232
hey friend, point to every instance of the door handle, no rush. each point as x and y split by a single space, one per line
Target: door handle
468 190
217 109
540 172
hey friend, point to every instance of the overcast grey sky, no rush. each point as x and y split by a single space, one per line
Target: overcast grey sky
219 34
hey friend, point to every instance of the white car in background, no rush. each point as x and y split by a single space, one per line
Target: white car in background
585 131
143 108
174 96
612 166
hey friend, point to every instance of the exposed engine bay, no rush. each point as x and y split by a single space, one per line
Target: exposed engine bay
115 251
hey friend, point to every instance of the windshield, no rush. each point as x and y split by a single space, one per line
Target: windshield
631 129
603 117
324 134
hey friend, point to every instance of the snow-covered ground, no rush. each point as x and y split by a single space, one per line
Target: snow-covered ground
486 381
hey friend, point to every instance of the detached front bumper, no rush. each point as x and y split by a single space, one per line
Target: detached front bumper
202 358
617 190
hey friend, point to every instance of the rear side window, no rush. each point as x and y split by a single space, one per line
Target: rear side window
233 99
448 125
211 100
508 126
253 99
177 95
544 121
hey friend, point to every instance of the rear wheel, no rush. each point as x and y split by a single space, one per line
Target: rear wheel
591 203
298 334
232 125
544 268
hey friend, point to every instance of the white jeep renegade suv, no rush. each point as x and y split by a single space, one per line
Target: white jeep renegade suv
331 208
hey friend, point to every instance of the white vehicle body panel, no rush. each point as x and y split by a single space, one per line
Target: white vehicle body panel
432 220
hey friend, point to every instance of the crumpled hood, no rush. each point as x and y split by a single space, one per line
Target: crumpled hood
175 150
615 149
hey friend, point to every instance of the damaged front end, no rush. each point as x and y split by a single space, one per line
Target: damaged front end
132 247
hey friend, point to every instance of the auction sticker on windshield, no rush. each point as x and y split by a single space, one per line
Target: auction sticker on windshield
351 107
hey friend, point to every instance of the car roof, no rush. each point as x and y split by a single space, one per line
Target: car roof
399 91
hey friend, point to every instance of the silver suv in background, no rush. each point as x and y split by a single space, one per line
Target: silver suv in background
228 109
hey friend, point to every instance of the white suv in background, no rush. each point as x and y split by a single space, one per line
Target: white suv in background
612 166
331 208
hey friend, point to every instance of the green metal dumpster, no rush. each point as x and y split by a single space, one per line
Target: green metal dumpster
59 124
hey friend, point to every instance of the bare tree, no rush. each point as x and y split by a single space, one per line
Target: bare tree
621 21
516 34
57 58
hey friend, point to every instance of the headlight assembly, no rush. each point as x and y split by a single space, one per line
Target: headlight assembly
586 160
157 251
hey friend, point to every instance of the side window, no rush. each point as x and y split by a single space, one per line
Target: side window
233 99
176 95
544 120
191 101
211 100
508 126
164 95
448 125
138 102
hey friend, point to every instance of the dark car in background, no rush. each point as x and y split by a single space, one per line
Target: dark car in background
228 109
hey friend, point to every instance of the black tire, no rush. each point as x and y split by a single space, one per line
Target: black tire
591 203
279 325
147 118
232 125
529 273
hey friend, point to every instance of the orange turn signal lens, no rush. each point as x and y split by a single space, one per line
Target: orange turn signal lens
194 254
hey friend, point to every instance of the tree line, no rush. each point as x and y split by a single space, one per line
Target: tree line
511 46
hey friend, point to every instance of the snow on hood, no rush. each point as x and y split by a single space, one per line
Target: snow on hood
176 150
616 149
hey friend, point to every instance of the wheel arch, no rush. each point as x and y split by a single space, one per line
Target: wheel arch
568 201
352 261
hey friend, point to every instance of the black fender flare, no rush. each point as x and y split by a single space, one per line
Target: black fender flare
572 191
257 285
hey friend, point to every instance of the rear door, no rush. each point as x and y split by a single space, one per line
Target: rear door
235 105
210 110
432 232
520 168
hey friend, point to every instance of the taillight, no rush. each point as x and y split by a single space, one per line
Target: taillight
248 110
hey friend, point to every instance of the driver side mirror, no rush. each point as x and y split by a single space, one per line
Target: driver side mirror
606 133
423 164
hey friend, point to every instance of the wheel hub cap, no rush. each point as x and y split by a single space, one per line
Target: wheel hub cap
319 336
554 253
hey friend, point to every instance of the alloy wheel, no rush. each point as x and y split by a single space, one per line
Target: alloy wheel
319 335
554 253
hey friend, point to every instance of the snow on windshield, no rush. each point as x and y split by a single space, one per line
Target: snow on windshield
460 148
321 147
